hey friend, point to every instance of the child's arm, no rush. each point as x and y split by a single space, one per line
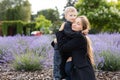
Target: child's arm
62 26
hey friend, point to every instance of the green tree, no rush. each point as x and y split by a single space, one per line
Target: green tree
15 10
103 16
43 24
53 16
50 14
4 5
25 11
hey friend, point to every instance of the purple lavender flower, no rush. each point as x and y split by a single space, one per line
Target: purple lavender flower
41 45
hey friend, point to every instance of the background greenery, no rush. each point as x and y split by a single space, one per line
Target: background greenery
103 15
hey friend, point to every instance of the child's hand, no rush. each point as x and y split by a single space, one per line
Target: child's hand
86 31
62 26
55 40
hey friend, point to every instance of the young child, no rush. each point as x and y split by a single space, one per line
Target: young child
60 59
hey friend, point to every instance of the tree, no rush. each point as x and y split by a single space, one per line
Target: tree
4 5
43 24
15 10
70 3
103 16
50 14
25 11
53 16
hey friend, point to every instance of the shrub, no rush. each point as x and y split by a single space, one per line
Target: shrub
16 24
111 62
27 62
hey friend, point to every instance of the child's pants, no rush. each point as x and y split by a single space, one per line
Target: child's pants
68 68
56 67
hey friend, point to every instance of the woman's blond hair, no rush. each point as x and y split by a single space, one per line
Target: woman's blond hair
86 25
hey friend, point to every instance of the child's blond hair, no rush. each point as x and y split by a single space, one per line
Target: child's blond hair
70 9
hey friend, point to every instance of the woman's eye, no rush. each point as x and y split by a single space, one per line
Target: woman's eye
78 23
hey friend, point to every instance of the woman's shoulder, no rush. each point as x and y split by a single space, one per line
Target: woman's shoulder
59 33
78 35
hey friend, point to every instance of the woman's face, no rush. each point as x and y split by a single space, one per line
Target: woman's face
77 25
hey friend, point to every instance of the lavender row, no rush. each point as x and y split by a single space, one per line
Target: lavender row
9 46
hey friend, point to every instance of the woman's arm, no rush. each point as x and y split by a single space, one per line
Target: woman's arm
75 43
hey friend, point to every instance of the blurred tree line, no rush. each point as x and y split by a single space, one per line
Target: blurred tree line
104 16
15 10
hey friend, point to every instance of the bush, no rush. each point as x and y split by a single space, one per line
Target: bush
16 24
111 62
27 62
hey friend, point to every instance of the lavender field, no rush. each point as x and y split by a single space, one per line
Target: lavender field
41 45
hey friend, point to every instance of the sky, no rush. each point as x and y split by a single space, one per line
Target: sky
37 5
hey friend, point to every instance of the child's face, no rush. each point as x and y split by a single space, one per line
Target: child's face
70 16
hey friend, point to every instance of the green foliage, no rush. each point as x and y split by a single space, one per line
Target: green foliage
4 29
111 62
7 24
50 14
4 5
43 24
1 52
55 26
27 61
53 16
29 27
15 10
103 16
19 26
25 11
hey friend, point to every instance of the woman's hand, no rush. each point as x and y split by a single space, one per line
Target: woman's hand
86 31
69 59
55 40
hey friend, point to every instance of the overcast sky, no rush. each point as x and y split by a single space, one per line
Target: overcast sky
37 5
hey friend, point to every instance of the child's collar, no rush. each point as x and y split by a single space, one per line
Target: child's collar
68 21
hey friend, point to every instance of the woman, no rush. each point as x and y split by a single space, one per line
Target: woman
79 46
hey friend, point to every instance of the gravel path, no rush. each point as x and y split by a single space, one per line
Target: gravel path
8 73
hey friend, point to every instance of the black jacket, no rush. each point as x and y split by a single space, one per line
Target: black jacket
82 69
